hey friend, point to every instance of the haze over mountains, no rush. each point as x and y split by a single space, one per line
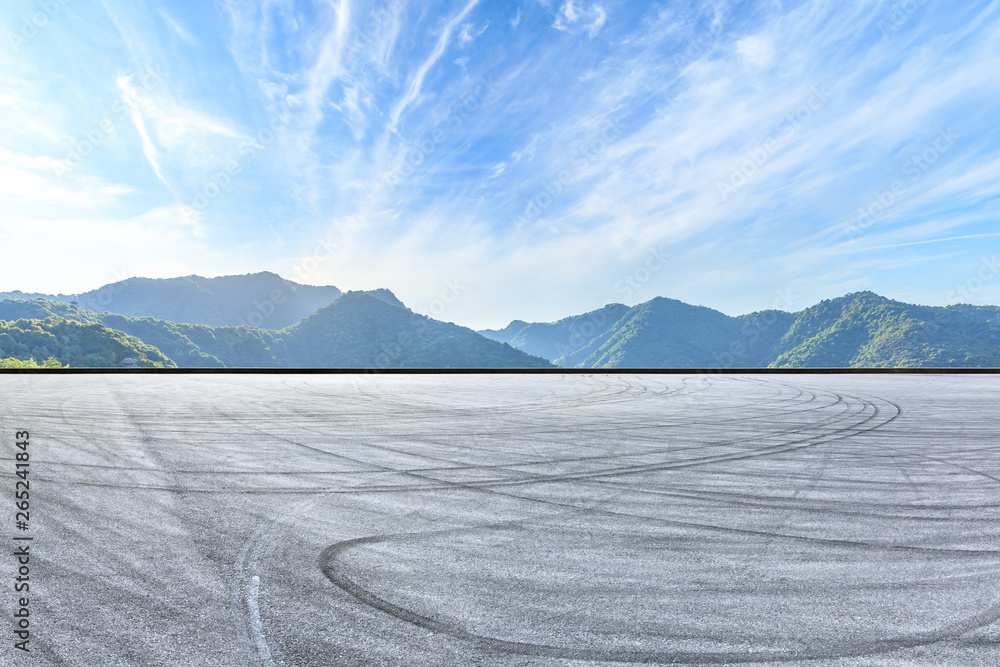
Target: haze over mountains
263 299
366 330
263 321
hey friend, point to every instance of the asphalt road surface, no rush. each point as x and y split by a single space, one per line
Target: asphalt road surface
506 520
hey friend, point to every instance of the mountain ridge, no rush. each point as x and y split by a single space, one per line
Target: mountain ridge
859 329
374 329
364 330
263 299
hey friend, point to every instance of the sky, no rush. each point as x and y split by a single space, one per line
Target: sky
490 161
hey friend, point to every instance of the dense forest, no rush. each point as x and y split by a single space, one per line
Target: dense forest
75 344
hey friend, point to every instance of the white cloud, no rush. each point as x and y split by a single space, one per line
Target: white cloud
73 252
25 110
129 94
755 50
33 181
686 125
328 66
592 19
528 151
468 34
177 27
353 110
417 80
175 217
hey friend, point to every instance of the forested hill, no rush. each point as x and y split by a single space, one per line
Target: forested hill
372 330
364 330
74 344
555 340
861 329
264 300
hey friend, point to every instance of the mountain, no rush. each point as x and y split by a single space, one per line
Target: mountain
666 333
362 330
868 330
861 329
661 333
263 300
371 330
75 344
190 345
358 330
556 340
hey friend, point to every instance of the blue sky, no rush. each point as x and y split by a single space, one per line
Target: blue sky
523 159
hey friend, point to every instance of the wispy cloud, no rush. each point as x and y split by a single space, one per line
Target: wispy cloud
33 181
469 33
591 18
417 80
176 27
505 142
139 122
329 63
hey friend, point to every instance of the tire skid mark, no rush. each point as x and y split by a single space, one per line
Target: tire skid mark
328 558
879 646
433 483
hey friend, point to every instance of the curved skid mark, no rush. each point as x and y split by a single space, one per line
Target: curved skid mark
327 564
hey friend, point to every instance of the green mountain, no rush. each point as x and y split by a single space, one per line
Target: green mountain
666 333
858 330
867 330
358 330
263 300
362 330
75 344
557 340
375 330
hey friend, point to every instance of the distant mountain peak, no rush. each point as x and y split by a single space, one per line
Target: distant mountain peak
382 294
263 299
